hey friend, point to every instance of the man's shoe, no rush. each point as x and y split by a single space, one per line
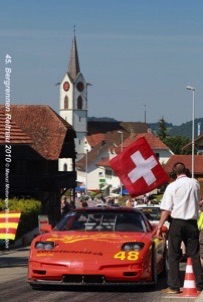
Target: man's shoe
171 291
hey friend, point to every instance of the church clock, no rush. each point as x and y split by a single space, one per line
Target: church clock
66 86
80 86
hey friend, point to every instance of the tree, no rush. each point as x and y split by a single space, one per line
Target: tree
176 143
162 131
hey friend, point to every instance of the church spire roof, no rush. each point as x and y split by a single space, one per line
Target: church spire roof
74 67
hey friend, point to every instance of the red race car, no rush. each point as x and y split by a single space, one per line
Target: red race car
93 246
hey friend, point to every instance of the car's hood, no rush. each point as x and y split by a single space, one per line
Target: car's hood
88 246
78 238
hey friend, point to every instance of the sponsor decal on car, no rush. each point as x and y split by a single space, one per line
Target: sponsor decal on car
97 237
54 252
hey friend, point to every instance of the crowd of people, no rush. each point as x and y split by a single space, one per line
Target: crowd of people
82 200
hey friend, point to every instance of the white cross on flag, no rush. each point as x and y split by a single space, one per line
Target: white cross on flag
138 168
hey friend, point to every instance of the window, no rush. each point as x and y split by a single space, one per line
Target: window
108 173
66 102
65 167
79 103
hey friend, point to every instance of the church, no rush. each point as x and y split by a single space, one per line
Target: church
73 102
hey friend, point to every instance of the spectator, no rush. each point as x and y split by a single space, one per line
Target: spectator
65 206
129 203
84 204
200 226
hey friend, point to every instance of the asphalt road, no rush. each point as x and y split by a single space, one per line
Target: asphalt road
14 286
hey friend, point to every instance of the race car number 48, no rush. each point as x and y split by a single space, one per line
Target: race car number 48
131 255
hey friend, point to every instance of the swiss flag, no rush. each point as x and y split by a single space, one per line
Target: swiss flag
138 168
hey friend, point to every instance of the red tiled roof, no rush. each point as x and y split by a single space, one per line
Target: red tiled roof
44 126
187 160
93 155
95 139
113 137
153 140
104 162
10 132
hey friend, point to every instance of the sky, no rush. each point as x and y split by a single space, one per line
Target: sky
139 55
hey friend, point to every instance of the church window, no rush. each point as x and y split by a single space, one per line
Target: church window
79 103
66 102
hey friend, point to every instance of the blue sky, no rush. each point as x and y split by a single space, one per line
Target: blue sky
137 54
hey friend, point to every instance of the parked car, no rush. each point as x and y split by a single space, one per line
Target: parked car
152 212
97 246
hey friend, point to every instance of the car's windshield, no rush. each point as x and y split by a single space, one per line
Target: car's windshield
103 221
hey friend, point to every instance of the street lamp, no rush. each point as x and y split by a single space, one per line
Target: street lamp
121 133
193 126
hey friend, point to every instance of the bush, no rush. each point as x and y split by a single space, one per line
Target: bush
30 209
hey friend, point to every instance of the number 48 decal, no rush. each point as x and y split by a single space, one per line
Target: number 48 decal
131 255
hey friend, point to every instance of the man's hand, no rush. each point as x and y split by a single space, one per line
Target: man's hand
158 233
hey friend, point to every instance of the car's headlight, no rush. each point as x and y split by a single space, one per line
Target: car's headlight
132 246
44 245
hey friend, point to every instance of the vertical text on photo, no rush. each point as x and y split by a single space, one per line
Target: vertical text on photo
8 147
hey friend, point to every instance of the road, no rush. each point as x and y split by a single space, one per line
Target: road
14 286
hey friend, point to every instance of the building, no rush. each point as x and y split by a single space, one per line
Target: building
96 163
32 139
73 103
162 152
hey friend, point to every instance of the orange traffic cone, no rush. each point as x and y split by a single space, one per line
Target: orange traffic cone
189 286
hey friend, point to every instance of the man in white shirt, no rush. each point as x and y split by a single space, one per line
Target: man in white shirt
180 201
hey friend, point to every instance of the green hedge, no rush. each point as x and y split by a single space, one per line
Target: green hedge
30 209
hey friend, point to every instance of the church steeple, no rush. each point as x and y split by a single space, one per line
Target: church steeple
73 101
74 66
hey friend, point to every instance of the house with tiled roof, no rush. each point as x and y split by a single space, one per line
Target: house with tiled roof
36 137
198 145
96 162
162 152
100 138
